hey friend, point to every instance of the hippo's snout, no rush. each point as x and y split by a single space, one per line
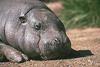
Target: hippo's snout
54 47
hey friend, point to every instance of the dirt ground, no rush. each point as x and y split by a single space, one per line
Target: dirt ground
85 41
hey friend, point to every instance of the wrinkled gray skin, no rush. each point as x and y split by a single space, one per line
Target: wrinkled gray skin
28 29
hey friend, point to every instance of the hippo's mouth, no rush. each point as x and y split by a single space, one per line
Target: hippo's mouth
52 50
54 54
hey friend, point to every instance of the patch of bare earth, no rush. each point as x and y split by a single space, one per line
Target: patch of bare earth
56 7
83 40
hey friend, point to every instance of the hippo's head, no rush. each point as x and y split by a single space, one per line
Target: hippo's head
45 34
38 33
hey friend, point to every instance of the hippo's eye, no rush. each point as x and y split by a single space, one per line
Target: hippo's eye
22 19
37 26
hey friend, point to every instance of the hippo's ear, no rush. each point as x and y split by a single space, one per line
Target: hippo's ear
22 19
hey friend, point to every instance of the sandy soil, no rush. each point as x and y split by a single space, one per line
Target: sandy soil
85 41
56 7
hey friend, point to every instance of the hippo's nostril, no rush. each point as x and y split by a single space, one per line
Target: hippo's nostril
56 41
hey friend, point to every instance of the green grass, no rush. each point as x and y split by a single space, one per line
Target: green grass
81 13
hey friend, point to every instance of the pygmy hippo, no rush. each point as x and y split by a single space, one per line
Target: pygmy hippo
30 30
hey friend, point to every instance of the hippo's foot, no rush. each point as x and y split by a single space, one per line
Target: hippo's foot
12 54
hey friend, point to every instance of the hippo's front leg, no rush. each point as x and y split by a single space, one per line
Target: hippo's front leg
12 54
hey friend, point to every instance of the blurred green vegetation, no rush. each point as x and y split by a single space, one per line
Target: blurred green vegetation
81 13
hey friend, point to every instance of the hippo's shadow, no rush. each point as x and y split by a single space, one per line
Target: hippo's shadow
78 54
72 55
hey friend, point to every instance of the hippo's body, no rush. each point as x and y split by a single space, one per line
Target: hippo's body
28 29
